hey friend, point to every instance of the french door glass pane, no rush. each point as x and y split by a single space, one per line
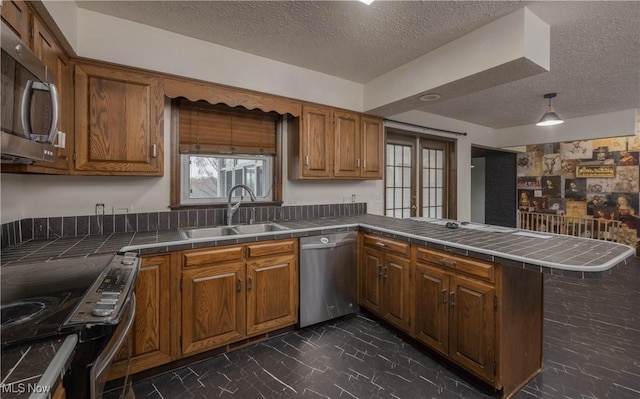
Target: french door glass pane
398 180
432 182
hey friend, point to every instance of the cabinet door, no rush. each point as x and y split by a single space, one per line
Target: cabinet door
119 122
316 144
272 293
396 291
473 326
346 133
152 323
16 14
372 153
213 306
371 279
431 304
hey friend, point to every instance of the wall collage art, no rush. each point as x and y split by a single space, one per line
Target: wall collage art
597 179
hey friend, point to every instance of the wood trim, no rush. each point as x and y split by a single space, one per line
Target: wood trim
175 154
271 248
203 257
175 87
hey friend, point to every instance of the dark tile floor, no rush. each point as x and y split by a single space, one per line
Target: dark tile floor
591 350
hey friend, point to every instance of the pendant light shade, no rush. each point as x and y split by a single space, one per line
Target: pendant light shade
550 118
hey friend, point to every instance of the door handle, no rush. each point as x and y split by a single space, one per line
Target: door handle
443 296
379 271
239 285
452 298
249 283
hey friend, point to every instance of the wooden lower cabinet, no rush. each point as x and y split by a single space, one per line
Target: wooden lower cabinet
271 294
150 340
385 279
213 306
244 291
483 317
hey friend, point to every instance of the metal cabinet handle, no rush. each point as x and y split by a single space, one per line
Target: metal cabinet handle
154 151
452 298
448 262
358 163
443 296
385 272
239 285
249 283
364 163
379 271
306 161
380 244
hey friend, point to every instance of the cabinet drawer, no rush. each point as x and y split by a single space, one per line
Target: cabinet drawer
214 255
401 248
458 263
271 248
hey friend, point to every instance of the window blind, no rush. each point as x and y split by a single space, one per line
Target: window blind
216 129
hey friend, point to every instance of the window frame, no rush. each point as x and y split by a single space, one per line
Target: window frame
176 177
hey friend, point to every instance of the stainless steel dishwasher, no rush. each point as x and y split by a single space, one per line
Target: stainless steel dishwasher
328 277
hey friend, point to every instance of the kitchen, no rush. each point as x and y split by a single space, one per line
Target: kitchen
106 38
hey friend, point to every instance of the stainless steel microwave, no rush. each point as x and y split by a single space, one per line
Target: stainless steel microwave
29 103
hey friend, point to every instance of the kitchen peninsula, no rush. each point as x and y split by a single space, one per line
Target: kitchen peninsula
508 263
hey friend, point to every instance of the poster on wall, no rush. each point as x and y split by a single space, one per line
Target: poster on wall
557 204
568 167
577 150
626 158
599 185
526 164
634 143
576 209
597 200
530 182
613 143
524 199
627 179
551 164
551 186
575 189
601 154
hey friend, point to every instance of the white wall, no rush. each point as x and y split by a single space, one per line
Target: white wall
40 195
107 38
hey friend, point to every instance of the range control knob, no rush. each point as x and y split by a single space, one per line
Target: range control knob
102 312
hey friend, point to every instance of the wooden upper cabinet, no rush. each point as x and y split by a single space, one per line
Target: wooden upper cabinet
346 133
372 147
17 15
334 144
119 122
316 144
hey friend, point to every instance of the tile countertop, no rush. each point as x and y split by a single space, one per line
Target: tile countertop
547 253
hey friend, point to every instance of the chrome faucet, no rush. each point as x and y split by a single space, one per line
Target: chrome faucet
231 209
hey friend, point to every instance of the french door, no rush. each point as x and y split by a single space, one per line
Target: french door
419 178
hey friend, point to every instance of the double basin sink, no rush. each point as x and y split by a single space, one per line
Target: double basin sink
220 231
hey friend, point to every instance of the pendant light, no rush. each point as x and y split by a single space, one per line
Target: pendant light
550 118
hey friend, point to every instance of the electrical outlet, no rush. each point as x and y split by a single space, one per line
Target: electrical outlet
99 209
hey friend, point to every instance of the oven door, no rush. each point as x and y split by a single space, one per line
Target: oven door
120 339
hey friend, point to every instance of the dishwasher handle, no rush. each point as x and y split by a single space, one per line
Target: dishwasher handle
327 245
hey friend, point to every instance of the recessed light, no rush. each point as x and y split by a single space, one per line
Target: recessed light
429 97
367 2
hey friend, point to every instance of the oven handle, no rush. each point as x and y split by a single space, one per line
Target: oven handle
102 364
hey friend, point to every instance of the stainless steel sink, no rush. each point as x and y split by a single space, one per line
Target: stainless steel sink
206 232
258 228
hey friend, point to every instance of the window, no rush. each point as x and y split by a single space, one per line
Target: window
219 147
399 190
208 178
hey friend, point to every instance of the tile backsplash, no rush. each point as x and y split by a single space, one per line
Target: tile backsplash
15 232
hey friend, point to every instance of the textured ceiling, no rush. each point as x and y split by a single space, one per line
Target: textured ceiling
595 46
